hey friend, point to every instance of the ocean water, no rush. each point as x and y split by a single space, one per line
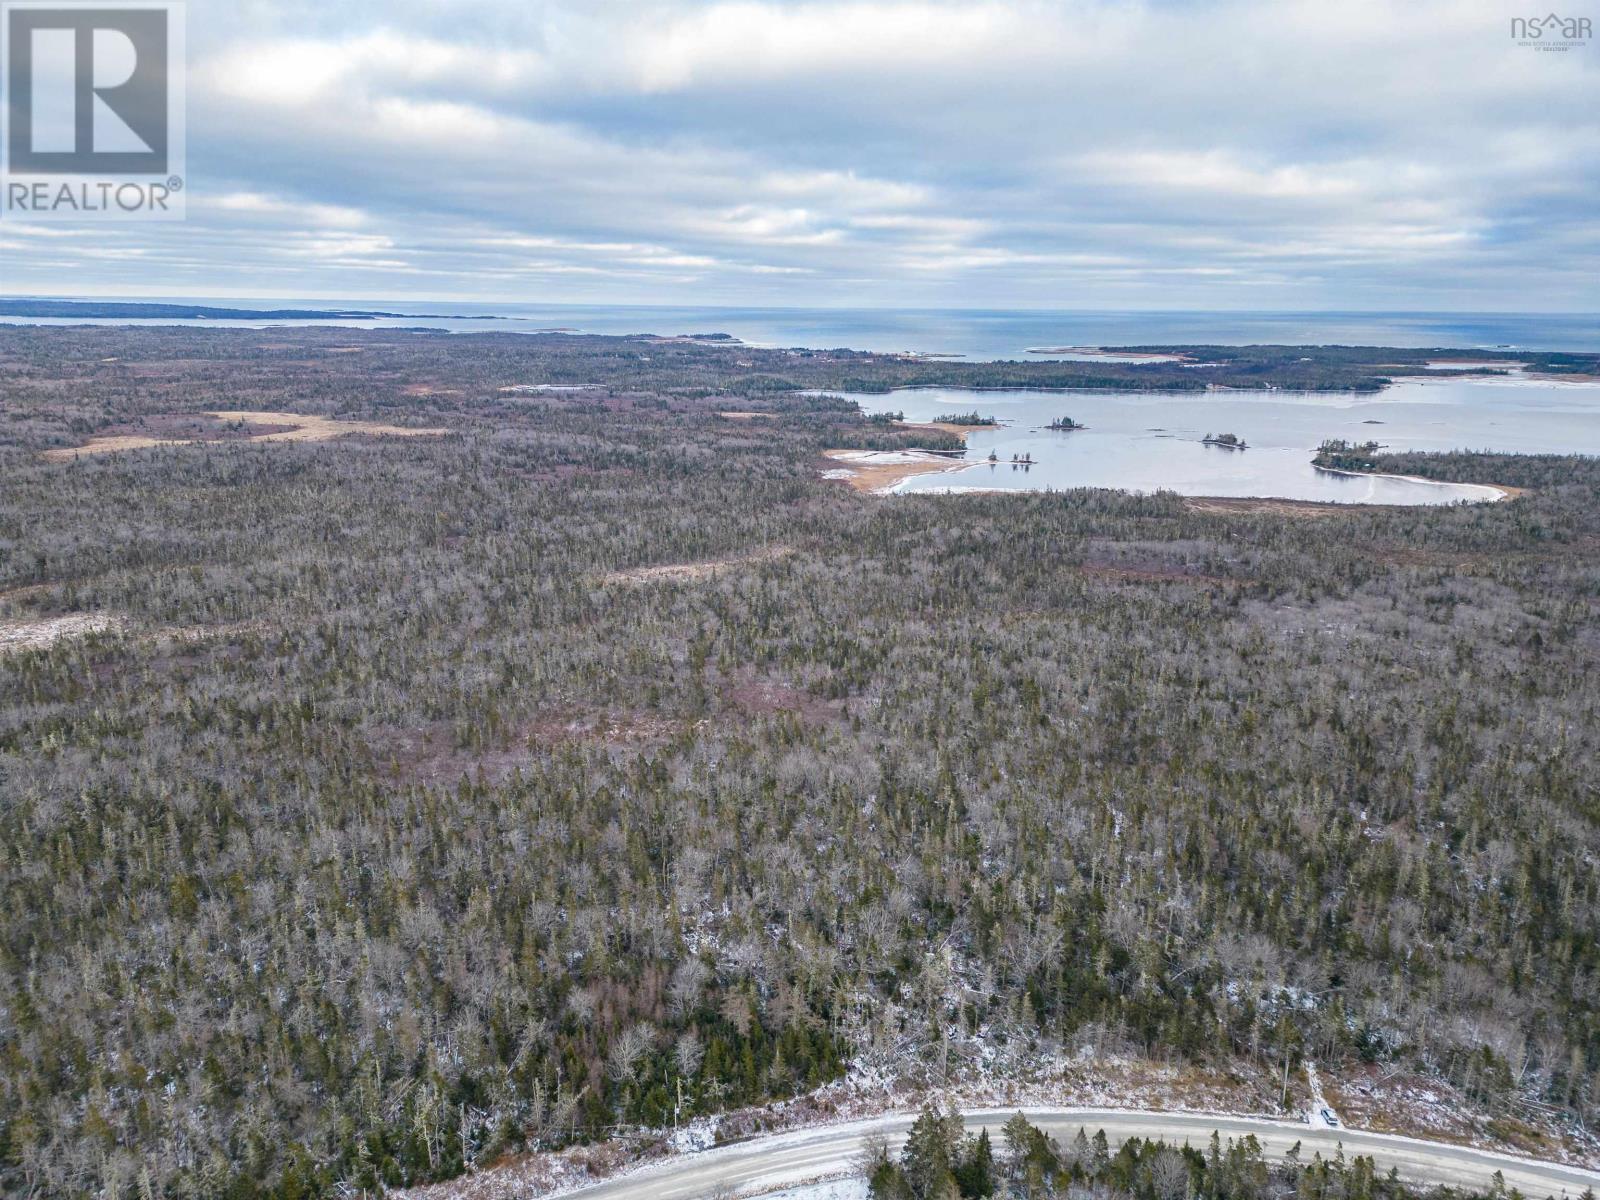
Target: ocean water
1150 441
979 335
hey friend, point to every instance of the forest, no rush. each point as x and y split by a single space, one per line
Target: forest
415 802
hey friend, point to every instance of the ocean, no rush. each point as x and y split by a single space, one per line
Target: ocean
975 334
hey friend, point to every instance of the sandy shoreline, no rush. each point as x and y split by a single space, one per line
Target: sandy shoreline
884 473
1496 492
881 471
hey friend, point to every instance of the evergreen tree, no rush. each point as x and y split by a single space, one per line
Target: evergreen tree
928 1154
974 1174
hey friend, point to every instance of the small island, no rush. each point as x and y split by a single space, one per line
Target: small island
1066 423
1228 441
969 420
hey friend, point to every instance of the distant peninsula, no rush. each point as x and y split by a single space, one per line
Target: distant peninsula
91 310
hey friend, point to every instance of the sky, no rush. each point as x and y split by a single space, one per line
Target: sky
915 153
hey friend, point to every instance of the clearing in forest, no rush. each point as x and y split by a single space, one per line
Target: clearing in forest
258 427
41 633
689 571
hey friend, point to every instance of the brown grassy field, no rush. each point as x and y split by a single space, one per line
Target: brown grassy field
280 427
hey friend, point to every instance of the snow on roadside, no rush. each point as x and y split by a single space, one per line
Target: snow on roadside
697 1135
837 1189
1392 1100
1321 1115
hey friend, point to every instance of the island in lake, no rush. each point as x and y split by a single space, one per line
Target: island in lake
969 420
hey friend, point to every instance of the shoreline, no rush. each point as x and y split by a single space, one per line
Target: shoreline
880 472
1500 491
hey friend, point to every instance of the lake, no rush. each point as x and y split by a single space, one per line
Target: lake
1151 441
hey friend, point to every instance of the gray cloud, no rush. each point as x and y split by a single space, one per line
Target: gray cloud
1303 155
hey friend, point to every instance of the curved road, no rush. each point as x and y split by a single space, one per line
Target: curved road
790 1158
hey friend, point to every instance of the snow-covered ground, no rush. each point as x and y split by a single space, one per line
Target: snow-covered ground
838 1189
37 634
1321 1112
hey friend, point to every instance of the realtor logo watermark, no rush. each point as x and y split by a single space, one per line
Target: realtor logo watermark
1552 32
92 120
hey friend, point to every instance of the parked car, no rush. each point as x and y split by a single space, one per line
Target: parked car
1327 1115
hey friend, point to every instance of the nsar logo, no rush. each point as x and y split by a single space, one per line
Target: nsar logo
1552 32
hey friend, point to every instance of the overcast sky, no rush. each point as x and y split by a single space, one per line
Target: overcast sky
1016 153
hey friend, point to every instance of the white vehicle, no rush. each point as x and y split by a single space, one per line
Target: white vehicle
1327 1115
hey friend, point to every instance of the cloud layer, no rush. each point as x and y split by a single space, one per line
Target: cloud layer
914 152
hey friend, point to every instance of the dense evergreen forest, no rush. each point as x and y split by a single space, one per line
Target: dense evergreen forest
597 762
1517 470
